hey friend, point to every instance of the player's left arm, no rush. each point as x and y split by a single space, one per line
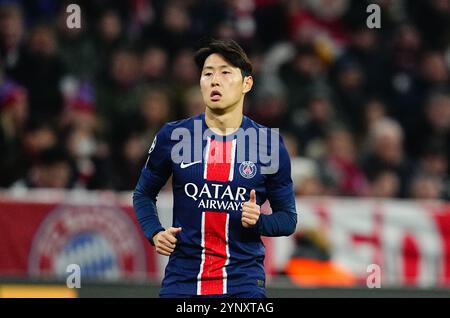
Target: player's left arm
280 193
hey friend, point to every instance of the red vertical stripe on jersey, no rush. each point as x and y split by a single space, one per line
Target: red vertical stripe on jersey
219 161
215 253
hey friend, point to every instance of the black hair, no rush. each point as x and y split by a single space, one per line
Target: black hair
229 50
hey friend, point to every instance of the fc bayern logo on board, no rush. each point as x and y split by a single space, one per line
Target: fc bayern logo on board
247 169
102 240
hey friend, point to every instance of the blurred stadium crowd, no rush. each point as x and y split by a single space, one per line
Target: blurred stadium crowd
364 112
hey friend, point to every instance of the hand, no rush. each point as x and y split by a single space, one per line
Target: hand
165 241
250 211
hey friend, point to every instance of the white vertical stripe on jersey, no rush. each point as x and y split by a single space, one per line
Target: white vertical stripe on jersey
225 275
233 158
208 144
199 276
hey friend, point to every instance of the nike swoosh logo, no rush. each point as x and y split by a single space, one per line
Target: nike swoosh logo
185 165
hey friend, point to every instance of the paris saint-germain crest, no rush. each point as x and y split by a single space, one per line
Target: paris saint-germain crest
247 169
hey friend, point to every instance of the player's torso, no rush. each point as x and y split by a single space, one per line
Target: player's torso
209 189
215 187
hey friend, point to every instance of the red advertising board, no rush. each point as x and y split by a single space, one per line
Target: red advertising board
42 233
40 238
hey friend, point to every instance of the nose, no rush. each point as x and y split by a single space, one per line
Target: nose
214 80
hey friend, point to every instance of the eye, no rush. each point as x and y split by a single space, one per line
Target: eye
207 74
226 72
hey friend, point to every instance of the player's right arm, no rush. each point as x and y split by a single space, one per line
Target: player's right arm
154 175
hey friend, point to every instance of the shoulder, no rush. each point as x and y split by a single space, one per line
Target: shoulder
187 123
253 124
272 134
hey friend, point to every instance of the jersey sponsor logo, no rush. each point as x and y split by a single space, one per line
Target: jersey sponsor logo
91 237
247 169
184 165
216 196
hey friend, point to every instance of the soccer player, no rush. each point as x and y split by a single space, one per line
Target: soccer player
214 243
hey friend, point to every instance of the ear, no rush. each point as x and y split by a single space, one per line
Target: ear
248 84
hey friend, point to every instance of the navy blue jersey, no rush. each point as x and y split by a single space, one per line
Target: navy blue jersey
215 254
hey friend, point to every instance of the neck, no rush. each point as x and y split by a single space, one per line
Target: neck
224 122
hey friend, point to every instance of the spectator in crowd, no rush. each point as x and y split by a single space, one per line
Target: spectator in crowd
83 138
81 146
183 75
318 22
173 30
13 116
358 73
318 65
351 90
433 20
119 95
270 108
128 159
434 71
433 160
76 48
108 38
41 72
318 120
38 136
12 35
271 23
183 70
434 129
155 111
53 169
22 154
301 76
363 50
385 152
426 187
155 65
193 102
305 171
404 87
80 108
339 167
374 110
384 184
433 163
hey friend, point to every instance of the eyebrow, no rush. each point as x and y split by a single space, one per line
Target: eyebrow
220 66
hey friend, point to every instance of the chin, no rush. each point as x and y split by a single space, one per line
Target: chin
216 106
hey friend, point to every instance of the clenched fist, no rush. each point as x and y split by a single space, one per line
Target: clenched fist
250 211
165 241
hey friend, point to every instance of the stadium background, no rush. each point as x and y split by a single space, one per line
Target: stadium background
365 114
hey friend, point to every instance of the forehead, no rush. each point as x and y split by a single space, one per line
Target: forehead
216 61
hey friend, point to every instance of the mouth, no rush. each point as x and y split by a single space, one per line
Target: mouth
215 95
